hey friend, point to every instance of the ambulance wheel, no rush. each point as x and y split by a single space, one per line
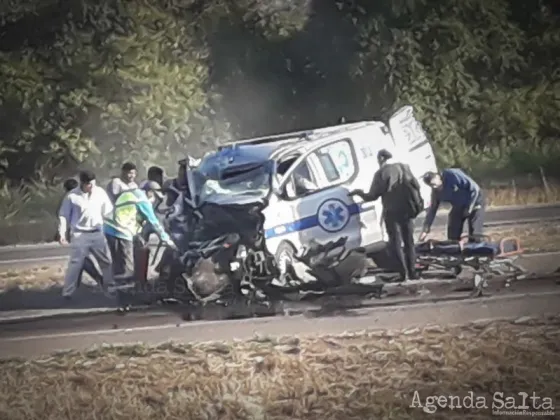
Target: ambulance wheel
285 256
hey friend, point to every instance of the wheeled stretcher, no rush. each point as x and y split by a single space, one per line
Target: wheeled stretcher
485 257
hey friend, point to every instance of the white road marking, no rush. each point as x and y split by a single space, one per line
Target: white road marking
32 260
195 324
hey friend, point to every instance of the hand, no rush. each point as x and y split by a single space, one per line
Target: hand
171 245
354 192
423 236
62 240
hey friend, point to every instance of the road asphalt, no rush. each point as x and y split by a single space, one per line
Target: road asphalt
31 338
52 251
32 343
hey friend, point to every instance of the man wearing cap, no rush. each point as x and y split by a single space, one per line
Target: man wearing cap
402 202
133 208
467 203
82 212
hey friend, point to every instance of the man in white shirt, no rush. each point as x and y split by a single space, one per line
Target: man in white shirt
83 210
125 182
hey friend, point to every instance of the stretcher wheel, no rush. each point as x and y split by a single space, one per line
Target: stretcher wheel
457 270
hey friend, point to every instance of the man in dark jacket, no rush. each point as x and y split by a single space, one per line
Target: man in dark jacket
402 202
467 203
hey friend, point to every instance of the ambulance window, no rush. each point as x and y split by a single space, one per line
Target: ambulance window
329 167
284 165
337 161
301 182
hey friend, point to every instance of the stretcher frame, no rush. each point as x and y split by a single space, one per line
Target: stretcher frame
502 264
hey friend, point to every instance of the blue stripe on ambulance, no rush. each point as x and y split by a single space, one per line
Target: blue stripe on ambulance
308 222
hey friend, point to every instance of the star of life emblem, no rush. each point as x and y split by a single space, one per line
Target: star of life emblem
333 215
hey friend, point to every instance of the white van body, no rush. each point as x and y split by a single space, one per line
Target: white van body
334 160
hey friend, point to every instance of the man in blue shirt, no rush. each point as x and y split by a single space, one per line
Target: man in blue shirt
467 203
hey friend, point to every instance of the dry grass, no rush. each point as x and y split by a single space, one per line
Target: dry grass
512 197
356 376
42 277
534 238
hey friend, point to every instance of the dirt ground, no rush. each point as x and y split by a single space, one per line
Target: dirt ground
534 238
354 376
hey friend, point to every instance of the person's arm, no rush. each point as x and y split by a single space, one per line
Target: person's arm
171 196
431 213
64 217
377 189
176 207
146 210
113 188
106 205
305 183
474 192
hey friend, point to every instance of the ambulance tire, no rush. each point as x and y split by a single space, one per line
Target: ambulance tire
285 254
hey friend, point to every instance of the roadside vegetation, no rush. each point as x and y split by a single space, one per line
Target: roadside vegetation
354 376
93 83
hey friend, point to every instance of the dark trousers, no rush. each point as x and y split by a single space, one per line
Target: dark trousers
122 252
456 222
401 231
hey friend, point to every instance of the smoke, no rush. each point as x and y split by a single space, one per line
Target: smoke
292 73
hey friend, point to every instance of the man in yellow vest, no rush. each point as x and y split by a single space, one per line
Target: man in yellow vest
133 208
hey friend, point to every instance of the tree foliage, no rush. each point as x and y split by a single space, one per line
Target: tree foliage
107 80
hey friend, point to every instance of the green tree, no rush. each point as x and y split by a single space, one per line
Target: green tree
97 82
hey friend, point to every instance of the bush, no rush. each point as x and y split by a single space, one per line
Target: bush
93 83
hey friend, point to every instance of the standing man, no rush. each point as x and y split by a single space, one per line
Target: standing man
402 202
132 209
89 266
124 182
82 211
467 203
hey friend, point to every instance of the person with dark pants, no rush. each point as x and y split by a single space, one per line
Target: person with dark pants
133 208
402 202
467 204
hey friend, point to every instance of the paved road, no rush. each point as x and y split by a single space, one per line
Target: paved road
31 338
46 252
33 343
